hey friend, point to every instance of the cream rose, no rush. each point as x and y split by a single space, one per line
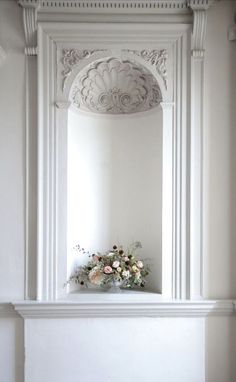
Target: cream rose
96 276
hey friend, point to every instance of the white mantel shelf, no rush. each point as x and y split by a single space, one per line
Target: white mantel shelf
117 306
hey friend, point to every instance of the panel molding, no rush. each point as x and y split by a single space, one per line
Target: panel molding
183 124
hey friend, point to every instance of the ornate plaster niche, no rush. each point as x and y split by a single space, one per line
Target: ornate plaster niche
112 86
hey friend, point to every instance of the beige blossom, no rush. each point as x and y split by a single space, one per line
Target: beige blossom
96 276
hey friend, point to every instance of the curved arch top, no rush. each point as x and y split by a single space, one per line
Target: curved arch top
115 86
72 61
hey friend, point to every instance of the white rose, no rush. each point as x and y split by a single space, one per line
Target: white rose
119 269
140 264
126 258
116 264
125 274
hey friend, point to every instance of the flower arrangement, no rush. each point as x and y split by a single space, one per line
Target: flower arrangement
114 267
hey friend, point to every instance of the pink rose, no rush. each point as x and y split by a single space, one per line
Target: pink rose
107 269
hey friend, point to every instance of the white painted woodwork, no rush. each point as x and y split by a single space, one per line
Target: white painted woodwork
136 304
218 363
65 51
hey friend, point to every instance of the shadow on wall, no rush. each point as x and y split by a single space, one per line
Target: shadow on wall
221 231
220 349
11 345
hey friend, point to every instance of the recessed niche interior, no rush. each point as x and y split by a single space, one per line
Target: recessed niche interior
114 171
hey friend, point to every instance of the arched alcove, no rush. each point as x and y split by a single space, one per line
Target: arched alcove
114 163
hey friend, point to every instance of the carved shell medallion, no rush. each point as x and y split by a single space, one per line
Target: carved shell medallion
115 87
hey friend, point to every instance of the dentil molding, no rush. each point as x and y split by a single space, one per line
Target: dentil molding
112 86
33 8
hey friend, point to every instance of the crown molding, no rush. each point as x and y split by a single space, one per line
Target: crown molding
51 9
95 307
200 5
109 6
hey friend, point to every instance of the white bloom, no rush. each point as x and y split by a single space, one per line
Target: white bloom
126 258
134 268
125 274
119 269
140 264
116 264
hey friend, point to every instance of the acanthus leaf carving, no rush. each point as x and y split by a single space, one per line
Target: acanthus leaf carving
156 58
71 58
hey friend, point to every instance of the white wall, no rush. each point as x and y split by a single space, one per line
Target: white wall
220 155
115 350
12 152
115 184
12 167
219 209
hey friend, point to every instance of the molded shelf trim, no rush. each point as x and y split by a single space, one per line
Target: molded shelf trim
93 306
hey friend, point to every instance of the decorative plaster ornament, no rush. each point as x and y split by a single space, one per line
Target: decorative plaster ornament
156 58
112 86
72 57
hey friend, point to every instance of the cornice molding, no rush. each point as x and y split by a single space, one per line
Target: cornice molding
118 308
199 5
110 6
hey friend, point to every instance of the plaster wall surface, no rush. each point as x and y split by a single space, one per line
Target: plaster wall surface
159 343
115 185
219 139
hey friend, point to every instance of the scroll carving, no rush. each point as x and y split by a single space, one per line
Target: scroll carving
71 58
156 58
